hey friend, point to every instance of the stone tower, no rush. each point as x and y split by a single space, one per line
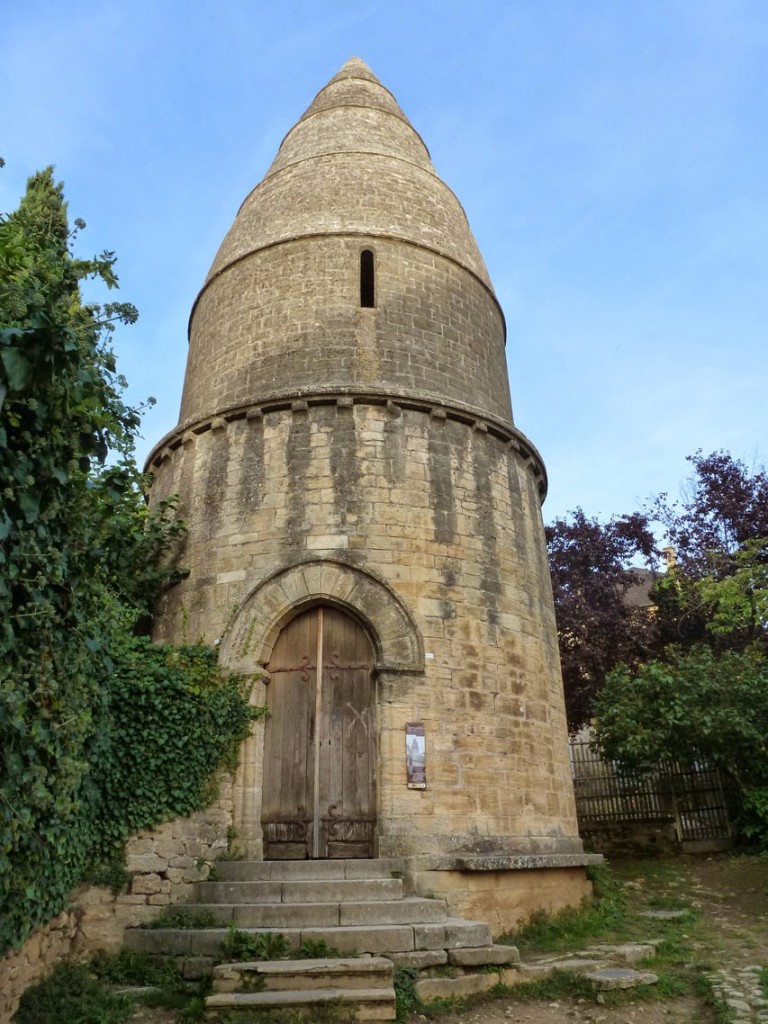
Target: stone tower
364 522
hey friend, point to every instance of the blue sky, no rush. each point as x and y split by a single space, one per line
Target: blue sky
612 158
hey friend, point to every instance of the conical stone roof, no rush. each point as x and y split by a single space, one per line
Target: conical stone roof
282 312
355 85
353 164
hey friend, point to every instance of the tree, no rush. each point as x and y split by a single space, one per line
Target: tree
706 696
737 605
81 560
592 577
713 531
62 413
724 507
691 706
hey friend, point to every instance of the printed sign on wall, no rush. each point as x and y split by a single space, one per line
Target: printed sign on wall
416 755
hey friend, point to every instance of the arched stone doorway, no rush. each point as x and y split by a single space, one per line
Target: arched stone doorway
250 647
319 797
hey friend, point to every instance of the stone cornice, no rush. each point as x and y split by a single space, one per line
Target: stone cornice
516 440
515 862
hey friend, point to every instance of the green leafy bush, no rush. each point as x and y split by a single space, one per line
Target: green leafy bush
243 945
132 967
318 949
72 995
695 705
182 917
101 733
168 718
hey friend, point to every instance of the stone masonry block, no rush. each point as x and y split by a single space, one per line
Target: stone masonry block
478 956
428 989
146 884
146 863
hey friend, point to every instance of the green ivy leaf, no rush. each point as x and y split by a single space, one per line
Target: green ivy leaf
18 369
29 504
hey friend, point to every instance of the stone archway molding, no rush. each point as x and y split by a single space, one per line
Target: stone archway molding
248 642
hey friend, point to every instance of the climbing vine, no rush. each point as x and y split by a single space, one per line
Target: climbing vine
165 719
100 732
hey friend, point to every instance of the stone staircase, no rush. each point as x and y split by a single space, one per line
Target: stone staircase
357 907
364 983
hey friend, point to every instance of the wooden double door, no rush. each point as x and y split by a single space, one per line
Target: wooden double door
319 796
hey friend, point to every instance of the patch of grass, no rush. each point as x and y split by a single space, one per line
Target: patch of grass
72 995
559 985
673 951
178 997
406 1000
83 993
131 967
568 985
318 949
604 914
194 1011
180 918
168 989
186 997
671 985
650 874
242 945
439 1007
663 901
721 1012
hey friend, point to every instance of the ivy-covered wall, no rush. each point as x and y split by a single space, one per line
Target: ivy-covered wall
163 864
168 718
102 734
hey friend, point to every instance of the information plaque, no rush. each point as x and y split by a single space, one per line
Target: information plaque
415 755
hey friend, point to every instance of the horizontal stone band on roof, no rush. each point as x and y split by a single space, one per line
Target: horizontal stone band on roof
352 233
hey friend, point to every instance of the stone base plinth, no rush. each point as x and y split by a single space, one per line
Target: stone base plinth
505 891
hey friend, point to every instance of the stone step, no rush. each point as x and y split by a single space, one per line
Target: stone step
407 910
369 1004
484 956
310 870
336 890
296 975
451 933
469 984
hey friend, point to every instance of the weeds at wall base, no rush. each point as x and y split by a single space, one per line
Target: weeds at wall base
72 995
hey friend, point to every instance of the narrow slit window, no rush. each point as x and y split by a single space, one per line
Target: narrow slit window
367 286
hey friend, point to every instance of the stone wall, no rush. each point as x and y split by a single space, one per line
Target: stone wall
39 955
164 864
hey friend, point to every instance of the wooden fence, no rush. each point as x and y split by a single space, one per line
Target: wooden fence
692 797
